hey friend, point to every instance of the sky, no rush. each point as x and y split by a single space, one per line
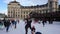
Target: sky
4 4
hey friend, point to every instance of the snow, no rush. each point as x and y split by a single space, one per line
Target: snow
48 29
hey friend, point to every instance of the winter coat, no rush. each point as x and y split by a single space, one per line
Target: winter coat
6 23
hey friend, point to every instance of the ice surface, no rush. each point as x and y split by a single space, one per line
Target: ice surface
48 29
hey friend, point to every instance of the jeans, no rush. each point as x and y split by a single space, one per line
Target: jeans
7 28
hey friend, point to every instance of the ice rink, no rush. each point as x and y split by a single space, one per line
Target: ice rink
47 29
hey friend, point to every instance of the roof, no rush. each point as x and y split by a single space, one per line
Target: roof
45 5
13 2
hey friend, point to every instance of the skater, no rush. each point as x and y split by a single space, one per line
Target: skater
14 22
7 24
17 20
28 22
43 22
33 30
50 20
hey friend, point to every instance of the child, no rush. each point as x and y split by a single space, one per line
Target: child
33 30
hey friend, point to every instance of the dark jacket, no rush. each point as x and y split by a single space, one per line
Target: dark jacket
6 23
29 21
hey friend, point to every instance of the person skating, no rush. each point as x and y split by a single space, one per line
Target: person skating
43 22
7 24
14 22
33 30
28 22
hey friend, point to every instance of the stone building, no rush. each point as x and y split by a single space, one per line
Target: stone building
16 10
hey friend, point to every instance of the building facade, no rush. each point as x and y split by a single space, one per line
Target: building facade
16 10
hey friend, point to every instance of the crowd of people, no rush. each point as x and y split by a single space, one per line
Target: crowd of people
7 23
28 22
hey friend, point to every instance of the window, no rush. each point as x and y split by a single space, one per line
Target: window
18 15
24 16
8 11
16 12
50 4
21 16
24 12
8 15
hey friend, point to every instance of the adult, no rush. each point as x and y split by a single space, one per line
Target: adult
14 22
28 22
43 22
7 24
